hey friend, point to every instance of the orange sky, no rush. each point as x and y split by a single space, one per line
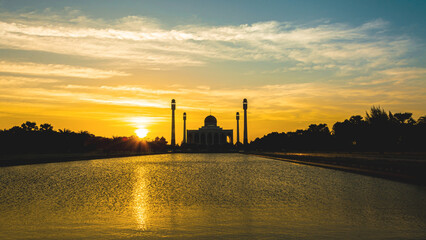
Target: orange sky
113 75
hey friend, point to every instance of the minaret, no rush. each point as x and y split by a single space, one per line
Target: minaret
245 121
238 128
184 127
173 143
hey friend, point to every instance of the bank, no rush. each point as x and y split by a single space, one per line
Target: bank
404 167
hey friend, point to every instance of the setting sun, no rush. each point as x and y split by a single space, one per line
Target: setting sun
141 132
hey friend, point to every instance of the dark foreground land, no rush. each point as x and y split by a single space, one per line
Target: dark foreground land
405 167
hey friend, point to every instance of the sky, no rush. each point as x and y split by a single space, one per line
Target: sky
112 67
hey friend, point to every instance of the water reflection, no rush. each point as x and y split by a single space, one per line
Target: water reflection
140 198
203 196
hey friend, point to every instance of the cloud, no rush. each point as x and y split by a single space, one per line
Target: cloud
9 81
393 77
145 121
127 102
143 41
406 73
56 70
268 98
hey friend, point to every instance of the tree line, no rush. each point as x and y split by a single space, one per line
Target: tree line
30 138
377 131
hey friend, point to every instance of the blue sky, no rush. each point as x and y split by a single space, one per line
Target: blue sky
406 15
74 63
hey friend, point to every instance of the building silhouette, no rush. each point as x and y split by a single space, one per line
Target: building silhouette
173 142
238 128
210 134
245 121
184 128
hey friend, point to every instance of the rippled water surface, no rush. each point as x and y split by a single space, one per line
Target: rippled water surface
204 196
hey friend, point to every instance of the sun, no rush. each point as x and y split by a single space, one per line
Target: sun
141 132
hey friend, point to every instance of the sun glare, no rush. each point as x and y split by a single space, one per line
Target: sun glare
141 132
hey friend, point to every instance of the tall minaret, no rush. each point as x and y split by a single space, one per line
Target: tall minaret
173 143
245 121
184 127
238 128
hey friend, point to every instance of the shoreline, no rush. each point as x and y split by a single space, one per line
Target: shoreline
30 159
392 167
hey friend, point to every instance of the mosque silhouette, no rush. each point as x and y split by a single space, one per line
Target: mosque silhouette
210 134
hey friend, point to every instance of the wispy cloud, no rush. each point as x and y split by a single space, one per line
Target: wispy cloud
56 70
14 81
304 97
145 121
393 76
144 41
126 102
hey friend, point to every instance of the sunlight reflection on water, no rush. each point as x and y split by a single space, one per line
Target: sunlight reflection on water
139 195
203 196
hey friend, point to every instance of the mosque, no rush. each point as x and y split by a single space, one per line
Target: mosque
210 134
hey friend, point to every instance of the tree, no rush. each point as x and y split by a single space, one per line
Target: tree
356 120
65 131
350 134
377 116
421 120
29 126
320 129
15 130
404 118
46 127
383 133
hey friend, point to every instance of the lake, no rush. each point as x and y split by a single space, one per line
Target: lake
204 196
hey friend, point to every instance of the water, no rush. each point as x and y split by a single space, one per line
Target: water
204 196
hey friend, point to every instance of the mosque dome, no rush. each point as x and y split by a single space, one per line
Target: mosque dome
210 121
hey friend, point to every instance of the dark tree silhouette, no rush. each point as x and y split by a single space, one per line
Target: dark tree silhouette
46 127
380 131
350 134
403 118
29 126
29 138
421 120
